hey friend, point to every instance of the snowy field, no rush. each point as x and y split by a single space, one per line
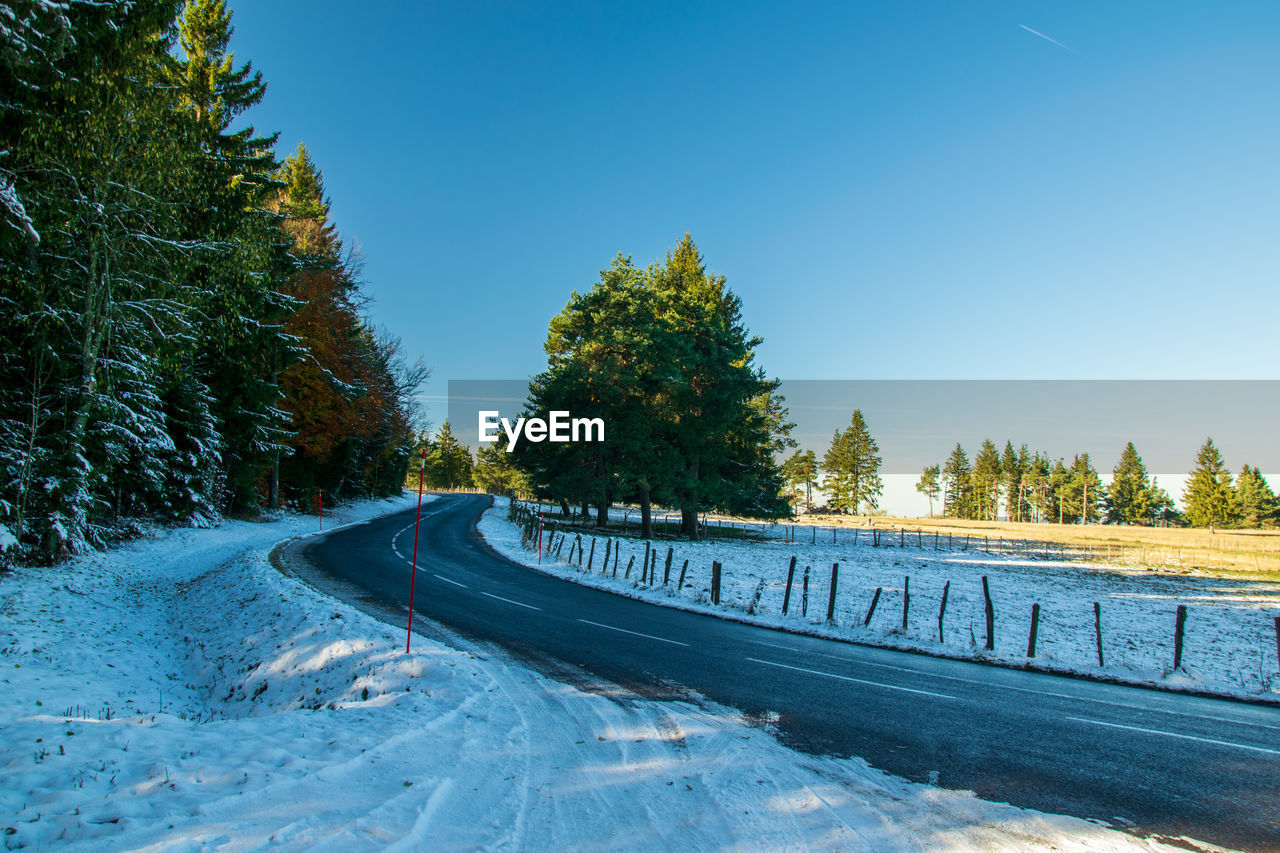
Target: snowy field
180 694
1229 643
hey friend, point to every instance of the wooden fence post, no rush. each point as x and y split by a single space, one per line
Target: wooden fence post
791 574
608 551
1035 629
680 583
1179 626
1277 643
631 561
942 611
644 567
592 558
715 582
1097 629
666 572
831 599
991 616
875 599
906 600
804 594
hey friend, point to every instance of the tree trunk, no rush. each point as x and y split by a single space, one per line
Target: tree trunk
646 520
689 521
273 484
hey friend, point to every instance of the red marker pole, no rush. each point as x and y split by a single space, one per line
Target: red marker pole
413 569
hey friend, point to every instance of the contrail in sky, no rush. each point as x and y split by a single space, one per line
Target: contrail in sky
1047 38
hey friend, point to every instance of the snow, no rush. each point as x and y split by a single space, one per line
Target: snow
181 694
1229 644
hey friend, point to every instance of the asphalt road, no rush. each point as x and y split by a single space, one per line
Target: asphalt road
1142 760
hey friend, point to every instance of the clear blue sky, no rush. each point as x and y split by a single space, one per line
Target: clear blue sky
895 190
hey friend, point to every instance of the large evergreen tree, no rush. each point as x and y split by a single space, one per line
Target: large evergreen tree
449 462
1255 505
852 463
725 418
987 481
1132 497
241 346
957 492
1083 491
1209 496
662 356
1013 467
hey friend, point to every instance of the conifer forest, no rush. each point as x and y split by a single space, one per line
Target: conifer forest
181 325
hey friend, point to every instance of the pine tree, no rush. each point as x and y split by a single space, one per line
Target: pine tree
1083 491
726 421
957 476
242 262
800 473
852 463
928 484
1255 505
1132 498
1013 467
1036 487
449 463
1209 495
495 470
987 477
1058 492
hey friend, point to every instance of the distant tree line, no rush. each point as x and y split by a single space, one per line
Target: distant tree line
181 332
661 354
1023 486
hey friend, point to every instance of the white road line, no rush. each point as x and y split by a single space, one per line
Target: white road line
634 633
855 680
1175 734
1077 697
454 582
509 601
776 646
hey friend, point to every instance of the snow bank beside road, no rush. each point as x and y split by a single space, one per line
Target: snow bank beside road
1230 646
181 694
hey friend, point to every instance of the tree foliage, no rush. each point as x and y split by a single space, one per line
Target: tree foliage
852 463
1209 496
143 269
662 356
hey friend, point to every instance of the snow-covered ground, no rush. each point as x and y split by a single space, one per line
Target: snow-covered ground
181 694
1229 646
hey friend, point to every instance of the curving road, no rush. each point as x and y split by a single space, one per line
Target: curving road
1142 760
